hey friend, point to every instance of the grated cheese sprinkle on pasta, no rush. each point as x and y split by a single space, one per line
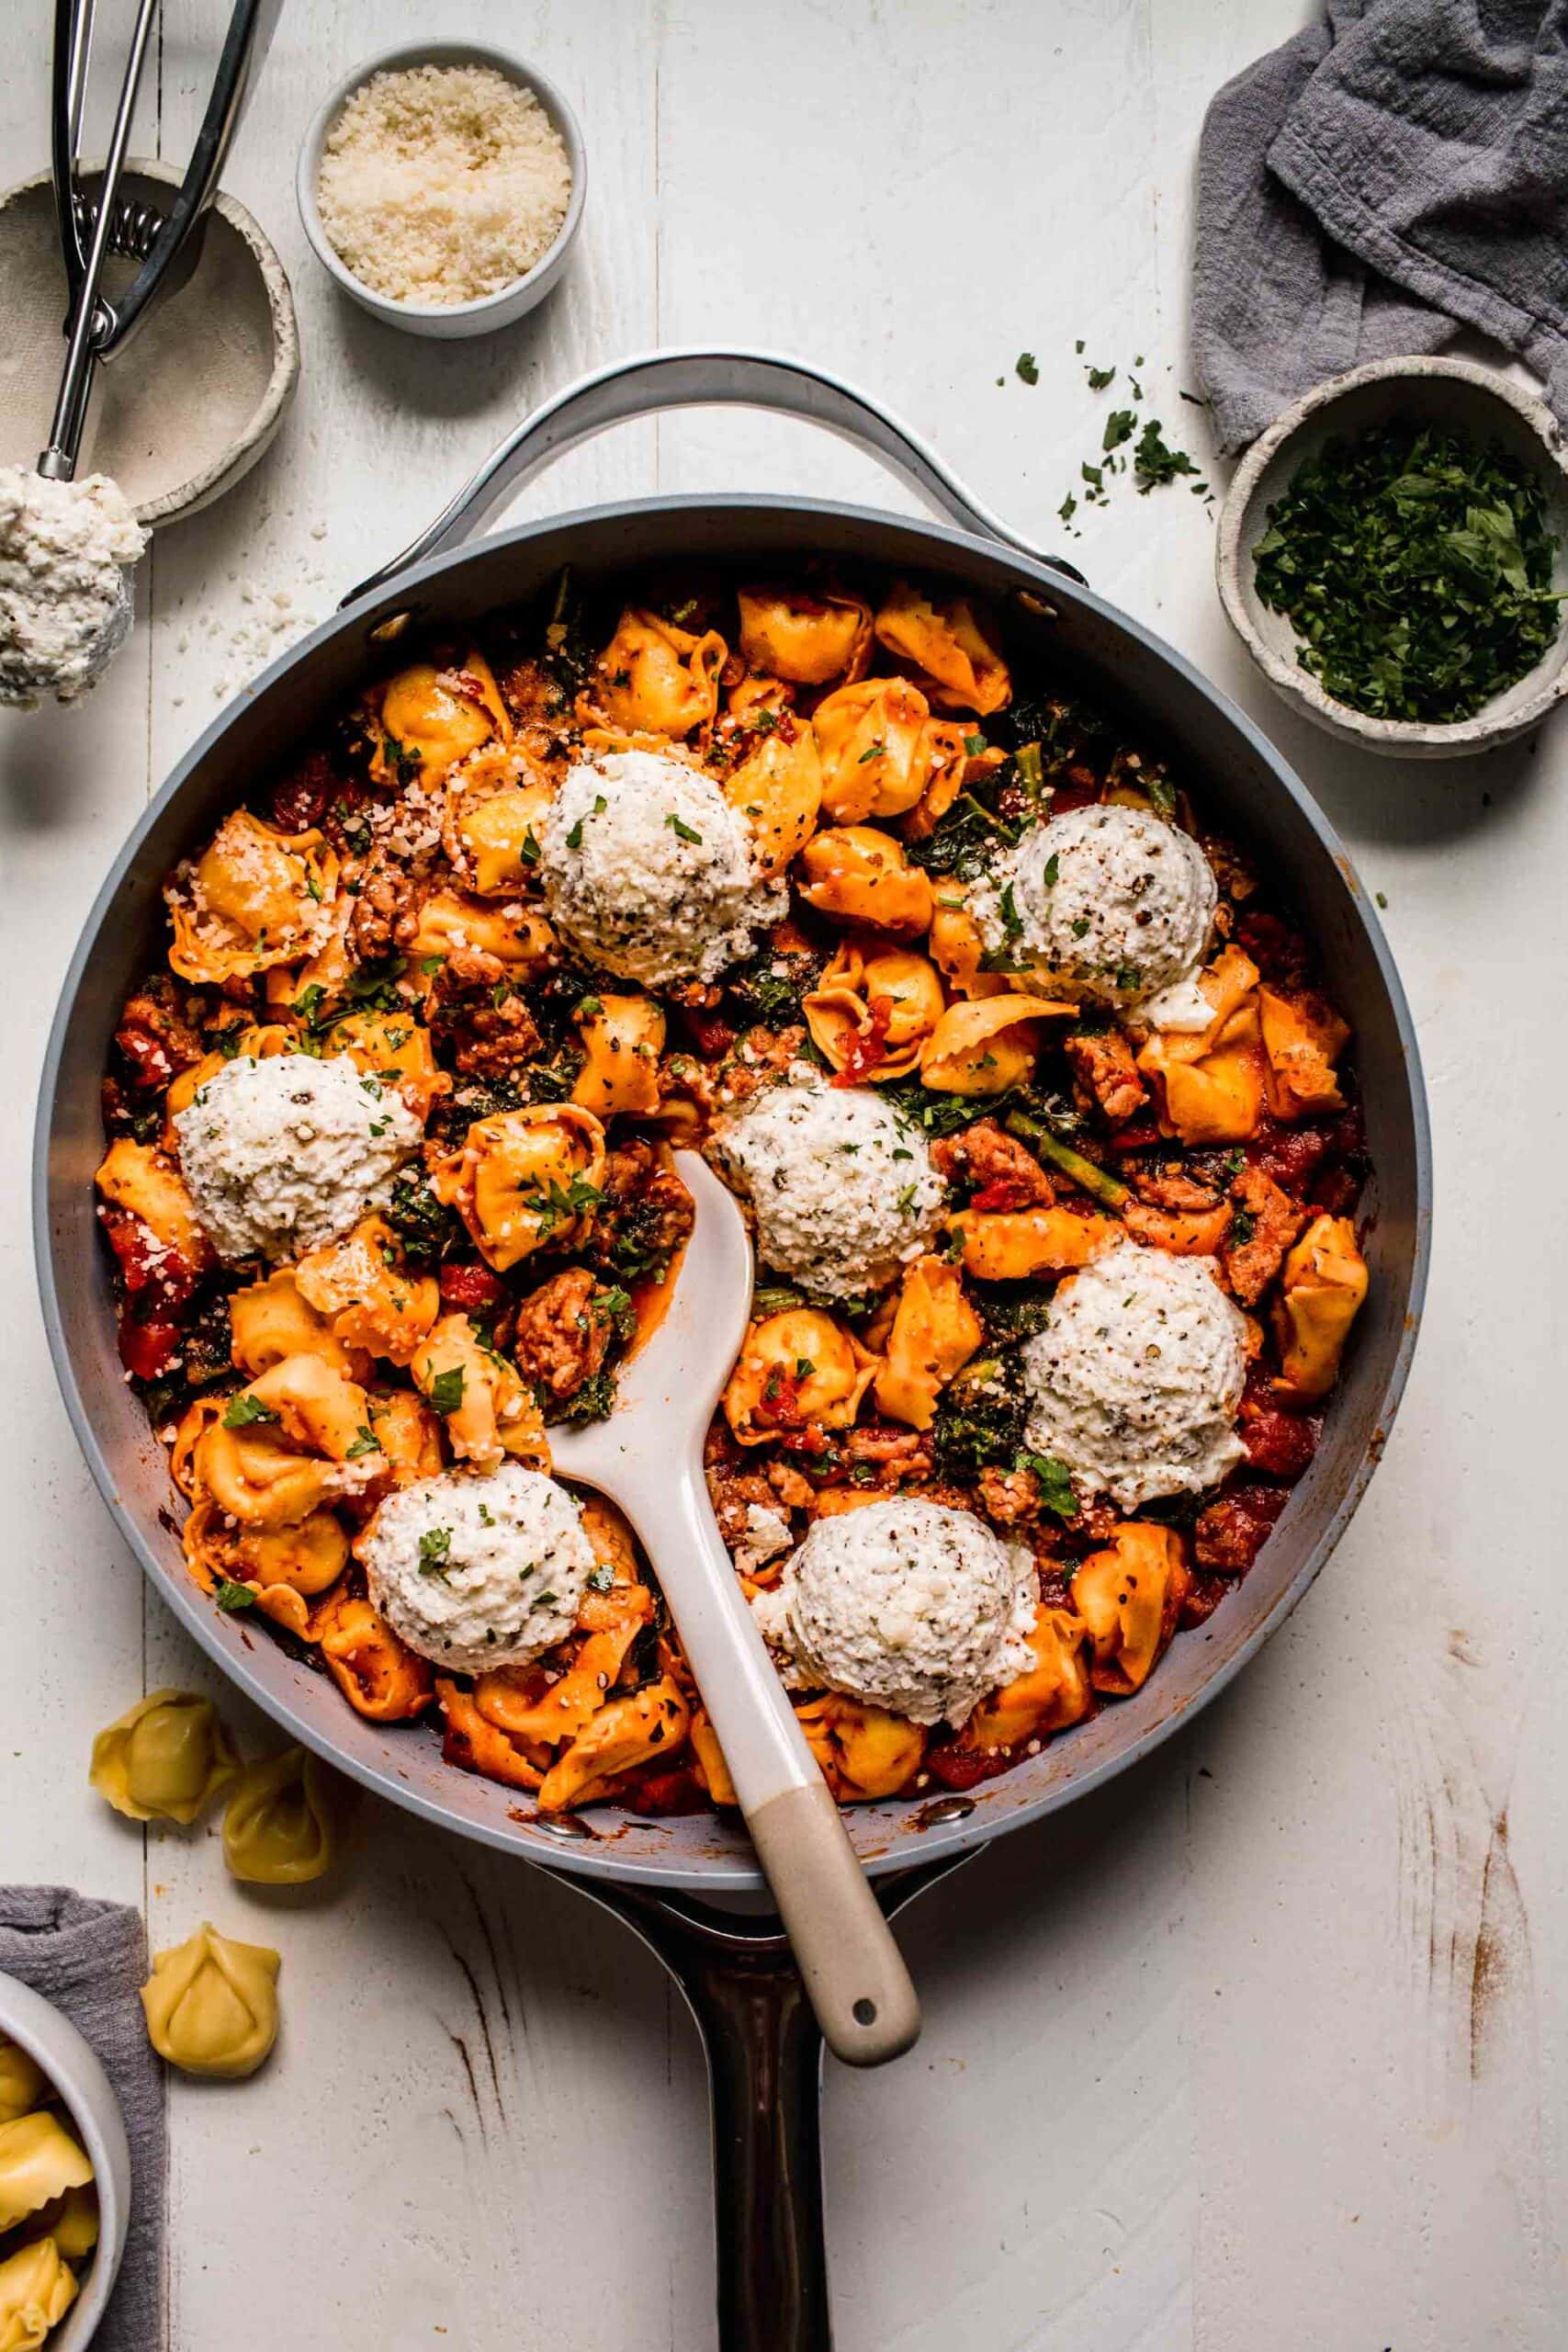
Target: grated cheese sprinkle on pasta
443 183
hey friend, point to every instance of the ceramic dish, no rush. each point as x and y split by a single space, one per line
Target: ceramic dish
75 2073
196 399
451 321
1452 393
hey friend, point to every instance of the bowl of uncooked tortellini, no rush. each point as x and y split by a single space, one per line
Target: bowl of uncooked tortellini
65 2178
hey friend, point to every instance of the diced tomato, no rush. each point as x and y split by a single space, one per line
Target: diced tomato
1141 1136
1290 1156
1233 1530
302 799
674 1790
474 1290
148 1264
711 1036
1279 952
148 1060
1005 1193
1280 1444
148 1348
867 1049
965 1767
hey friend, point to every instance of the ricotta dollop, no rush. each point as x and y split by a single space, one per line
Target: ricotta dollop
284 1153
905 1604
1112 900
1136 1378
647 870
843 1192
475 1572
64 588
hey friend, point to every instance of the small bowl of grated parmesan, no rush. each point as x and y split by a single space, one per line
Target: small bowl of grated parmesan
442 187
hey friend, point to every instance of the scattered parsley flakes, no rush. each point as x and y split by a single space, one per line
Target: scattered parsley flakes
435 1550
232 1597
365 1441
1155 461
1056 1493
243 1411
1119 427
1098 377
681 830
1028 366
445 1391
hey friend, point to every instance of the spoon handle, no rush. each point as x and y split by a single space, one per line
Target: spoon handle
853 1969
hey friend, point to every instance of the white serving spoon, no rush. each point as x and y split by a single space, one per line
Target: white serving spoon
647 1457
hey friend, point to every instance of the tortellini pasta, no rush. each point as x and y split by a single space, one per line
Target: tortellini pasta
658 678
288 1443
957 946
787 633
935 1331
1049 1696
362 1285
1303 1039
433 717
778 790
271 1320
524 1178
282 1824
950 643
72 2219
167 1758
865 1752
144 1182
494 802
623 1734
1324 1282
306 1557
873 1011
796 1369
623 1037
38 2159
211 2005
1129 1595
379 1676
1010 1245
37 2289
1210 1082
255 898
986 1044
876 756
395 1048
23 2082
488 1411
856 874
520 938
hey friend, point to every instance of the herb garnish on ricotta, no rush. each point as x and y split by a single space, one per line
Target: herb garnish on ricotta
906 1604
475 1572
1111 902
648 870
285 1153
1137 1377
844 1193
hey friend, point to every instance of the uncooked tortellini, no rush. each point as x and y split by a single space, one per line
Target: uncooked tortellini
38 2159
211 2005
282 1824
36 2289
166 1758
22 2084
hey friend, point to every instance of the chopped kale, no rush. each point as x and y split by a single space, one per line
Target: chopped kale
428 1230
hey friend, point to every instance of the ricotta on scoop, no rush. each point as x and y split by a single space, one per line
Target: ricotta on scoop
1112 900
64 589
287 1152
843 1192
1136 1378
475 1572
905 1604
647 871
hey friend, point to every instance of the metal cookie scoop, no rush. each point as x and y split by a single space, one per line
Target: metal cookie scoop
92 225
648 1458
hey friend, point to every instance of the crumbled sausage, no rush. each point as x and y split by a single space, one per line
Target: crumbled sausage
1010 1497
1233 1530
1102 1063
898 1457
155 1038
383 921
1266 1224
563 1332
1002 1173
733 1487
476 1013
1167 1188
644 1213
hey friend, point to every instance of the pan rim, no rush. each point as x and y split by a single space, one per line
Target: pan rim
596 1858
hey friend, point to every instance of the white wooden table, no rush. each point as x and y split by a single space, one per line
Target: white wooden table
1263 2048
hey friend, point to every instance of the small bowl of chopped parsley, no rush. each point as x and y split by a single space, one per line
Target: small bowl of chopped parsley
1393 554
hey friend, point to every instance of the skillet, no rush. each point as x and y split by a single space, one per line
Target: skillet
688 1885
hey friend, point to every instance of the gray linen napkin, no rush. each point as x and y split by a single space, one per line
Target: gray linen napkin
1390 176
90 1959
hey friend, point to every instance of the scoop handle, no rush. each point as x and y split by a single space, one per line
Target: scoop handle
853 1969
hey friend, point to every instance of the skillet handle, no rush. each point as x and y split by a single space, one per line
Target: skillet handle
699 378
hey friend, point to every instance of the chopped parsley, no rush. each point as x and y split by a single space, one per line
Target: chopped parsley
365 1441
1098 377
1415 569
243 1411
1028 366
445 1391
1119 427
1155 461
681 830
1055 1483
435 1550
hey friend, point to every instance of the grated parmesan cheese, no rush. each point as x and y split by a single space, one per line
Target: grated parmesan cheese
443 185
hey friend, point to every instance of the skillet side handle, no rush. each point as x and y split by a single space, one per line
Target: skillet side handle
659 380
